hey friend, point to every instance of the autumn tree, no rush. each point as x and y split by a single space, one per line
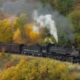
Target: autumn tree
17 36
21 21
32 36
5 31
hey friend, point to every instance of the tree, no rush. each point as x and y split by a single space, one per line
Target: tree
17 36
21 21
5 31
63 6
75 19
32 36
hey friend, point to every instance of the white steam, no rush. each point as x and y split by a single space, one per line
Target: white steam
45 21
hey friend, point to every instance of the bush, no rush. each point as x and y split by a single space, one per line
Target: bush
38 69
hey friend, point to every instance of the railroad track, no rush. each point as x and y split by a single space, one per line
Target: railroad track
61 57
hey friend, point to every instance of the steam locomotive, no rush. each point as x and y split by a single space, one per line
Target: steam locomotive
48 50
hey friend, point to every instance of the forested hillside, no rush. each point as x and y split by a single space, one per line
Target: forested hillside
71 10
16 26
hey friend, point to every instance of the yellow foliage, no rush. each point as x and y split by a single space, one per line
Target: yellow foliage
5 22
33 37
15 21
28 29
38 69
17 36
14 32
5 31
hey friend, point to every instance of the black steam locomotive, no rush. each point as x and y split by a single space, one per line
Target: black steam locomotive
48 50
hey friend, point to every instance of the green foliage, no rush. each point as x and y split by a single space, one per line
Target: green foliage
77 39
75 19
63 6
21 21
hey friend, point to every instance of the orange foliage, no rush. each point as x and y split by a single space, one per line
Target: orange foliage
33 37
8 64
